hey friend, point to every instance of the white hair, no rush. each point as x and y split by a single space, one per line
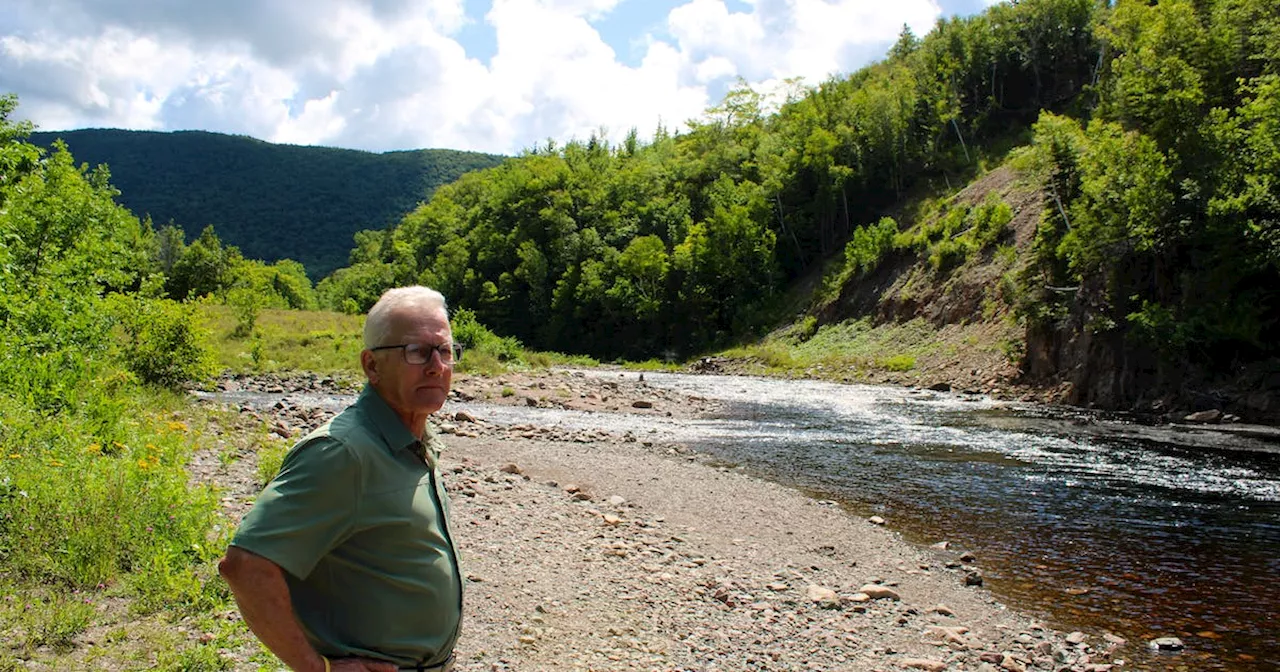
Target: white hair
378 322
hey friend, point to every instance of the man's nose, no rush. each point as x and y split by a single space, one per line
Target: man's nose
435 363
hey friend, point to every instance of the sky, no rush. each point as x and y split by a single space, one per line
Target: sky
497 76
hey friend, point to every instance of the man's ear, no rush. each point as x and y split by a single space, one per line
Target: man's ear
370 365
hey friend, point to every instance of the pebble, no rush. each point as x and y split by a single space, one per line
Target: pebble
1212 416
1166 644
1012 664
877 592
923 664
702 602
824 597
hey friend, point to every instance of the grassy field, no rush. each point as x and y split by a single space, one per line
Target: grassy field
108 546
855 346
913 352
330 343
286 340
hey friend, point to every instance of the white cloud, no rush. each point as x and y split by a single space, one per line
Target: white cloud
789 38
392 74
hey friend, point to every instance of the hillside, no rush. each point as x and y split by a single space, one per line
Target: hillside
272 201
1143 271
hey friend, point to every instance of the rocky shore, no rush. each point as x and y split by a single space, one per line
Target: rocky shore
588 550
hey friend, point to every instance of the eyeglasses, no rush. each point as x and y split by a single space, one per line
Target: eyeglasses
420 353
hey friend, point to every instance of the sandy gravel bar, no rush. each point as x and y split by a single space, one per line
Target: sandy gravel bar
600 552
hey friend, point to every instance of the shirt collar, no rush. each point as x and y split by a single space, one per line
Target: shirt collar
394 434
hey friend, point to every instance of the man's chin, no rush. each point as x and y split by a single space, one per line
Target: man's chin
431 399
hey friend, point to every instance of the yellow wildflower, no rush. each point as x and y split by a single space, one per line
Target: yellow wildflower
93 449
55 463
15 456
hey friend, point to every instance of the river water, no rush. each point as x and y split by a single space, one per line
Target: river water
1089 522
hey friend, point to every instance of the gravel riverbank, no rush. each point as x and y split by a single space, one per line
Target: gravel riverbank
592 551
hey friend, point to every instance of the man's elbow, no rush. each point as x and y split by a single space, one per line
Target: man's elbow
230 564
237 565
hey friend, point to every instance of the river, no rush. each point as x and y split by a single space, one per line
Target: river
1087 521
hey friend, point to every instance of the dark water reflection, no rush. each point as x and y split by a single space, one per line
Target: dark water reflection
1091 523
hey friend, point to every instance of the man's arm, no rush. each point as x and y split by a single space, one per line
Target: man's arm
263 596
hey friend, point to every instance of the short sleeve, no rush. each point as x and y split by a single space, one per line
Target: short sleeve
306 510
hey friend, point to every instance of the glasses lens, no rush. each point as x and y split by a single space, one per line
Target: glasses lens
416 353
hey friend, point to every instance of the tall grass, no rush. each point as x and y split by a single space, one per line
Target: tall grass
285 340
330 343
854 346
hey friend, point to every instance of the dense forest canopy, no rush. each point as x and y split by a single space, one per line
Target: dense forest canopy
271 201
1153 126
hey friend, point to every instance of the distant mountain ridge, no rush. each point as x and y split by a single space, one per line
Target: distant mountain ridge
272 201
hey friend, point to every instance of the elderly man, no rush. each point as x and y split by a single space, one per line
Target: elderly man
345 561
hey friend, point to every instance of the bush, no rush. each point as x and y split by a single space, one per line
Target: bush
805 329
79 512
481 346
898 363
952 235
163 343
246 304
862 254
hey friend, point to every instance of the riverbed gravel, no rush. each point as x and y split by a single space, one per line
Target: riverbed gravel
588 550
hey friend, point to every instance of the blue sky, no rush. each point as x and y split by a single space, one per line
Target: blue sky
486 75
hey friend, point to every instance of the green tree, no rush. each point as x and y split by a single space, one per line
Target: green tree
205 267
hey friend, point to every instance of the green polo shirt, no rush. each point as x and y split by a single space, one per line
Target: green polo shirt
360 525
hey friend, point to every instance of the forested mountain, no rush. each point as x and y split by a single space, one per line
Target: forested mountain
272 201
1152 130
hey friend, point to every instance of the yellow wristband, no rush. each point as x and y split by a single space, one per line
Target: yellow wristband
326 663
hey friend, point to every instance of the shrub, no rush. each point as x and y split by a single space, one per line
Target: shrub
270 457
246 304
898 363
163 343
482 346
862 254
81 512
